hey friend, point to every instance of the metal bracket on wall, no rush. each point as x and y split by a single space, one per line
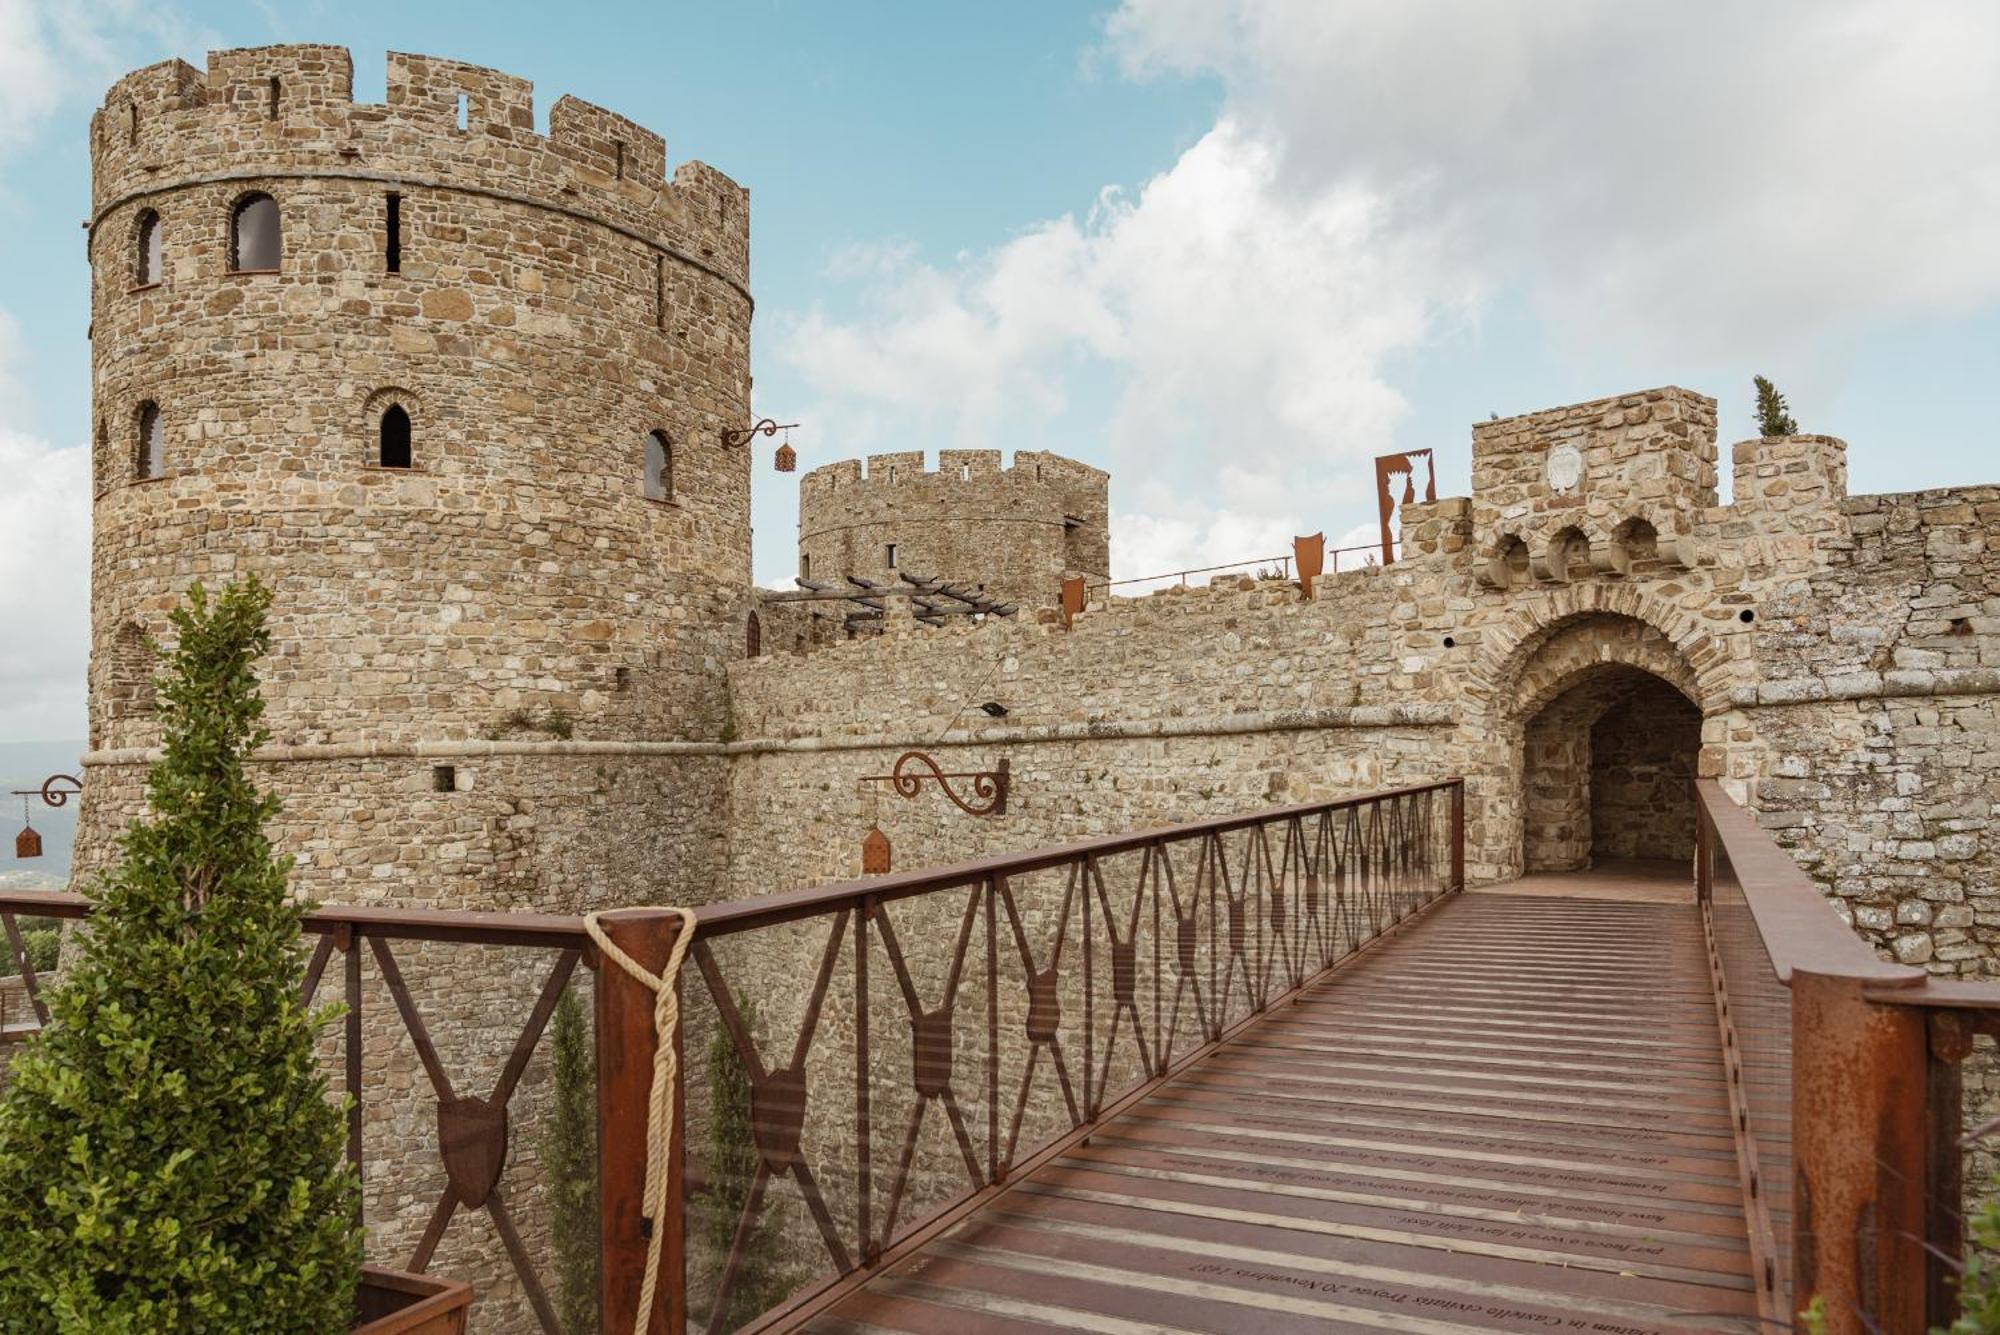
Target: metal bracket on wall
988 789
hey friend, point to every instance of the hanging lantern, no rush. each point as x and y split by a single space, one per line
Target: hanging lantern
28 843
874 852
787 460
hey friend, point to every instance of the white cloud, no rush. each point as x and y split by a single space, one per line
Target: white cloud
1244 330
44 575
1668 182
1680 178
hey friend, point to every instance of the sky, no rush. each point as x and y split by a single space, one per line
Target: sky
1229 250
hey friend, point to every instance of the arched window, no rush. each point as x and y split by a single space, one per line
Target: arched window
753 637
255 240
149 256
149 454
395 451
659 467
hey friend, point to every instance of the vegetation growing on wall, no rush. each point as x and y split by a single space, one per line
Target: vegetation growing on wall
1774 418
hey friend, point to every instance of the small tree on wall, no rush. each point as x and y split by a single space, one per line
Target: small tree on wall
169 1160
1774 418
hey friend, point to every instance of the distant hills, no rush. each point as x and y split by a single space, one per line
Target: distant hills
25 765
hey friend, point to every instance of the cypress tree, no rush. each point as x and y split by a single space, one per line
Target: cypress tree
569 1159
169 1160
1773 417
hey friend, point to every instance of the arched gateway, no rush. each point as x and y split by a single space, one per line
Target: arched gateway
1597 724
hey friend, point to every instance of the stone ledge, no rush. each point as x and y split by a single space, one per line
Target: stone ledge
1294 720
1897 683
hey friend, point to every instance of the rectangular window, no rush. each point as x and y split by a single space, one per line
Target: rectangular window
274 97
444 778
892 556
464 112
660 291
394 249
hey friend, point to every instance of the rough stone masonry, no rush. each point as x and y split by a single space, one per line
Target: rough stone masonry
512 666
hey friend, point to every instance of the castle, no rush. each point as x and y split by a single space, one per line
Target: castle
462 393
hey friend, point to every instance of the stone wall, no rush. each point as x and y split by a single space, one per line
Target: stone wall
1642 762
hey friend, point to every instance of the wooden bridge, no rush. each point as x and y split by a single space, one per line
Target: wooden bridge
1278 1072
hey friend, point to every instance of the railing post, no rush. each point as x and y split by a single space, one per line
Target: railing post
1860 1155
1458 835
348 942
1944 1185
1704 854
625 1047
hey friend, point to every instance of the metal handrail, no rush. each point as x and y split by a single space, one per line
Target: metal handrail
1799 928
726 919
1866 1053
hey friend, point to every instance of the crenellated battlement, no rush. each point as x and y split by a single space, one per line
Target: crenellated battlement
955 468
1017 529
278 111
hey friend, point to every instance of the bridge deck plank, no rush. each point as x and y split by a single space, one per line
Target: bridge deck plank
1512 1118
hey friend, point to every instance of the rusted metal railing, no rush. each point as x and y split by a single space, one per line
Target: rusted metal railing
953 1029
987 1016
1844 1084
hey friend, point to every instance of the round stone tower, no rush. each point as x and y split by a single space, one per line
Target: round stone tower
455 389
1017 530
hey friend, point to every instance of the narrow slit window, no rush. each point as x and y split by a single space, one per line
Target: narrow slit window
132 122
753 637
150 253
255 240
805 565
660 290
618 152
464 112
273 111
659 467
892 556
395 451
393 243
149 454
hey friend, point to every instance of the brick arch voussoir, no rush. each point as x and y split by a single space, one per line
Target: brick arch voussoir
1508 650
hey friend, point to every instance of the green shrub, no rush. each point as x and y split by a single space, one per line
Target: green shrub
569 1160
169 1160
1979 1282
41 938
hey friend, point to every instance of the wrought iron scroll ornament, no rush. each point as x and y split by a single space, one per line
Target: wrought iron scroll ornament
766 425
53 792
987 791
